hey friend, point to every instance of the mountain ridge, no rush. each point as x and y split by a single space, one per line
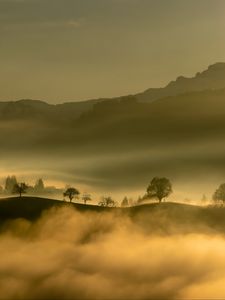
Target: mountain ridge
211 78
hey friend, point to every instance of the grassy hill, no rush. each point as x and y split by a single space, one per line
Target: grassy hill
31 208
164 217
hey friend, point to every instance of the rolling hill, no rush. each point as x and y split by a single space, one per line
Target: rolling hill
166 217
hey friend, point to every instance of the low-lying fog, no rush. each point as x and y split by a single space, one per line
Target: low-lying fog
69 255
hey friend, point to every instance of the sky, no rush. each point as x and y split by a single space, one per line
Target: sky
71 50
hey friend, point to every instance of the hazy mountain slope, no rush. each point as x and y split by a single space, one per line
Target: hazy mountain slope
121 143
132 124
126 143
191 115
212 78
29 109
116 143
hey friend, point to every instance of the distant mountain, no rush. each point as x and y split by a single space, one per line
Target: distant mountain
212 78
29 109
123 123
193 115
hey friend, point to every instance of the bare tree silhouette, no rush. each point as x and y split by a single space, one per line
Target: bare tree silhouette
86 198
107 202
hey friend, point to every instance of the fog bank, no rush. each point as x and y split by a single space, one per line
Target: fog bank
69 255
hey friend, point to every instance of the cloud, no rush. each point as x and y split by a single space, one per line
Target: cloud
69 255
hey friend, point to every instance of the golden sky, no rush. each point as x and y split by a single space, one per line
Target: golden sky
69 50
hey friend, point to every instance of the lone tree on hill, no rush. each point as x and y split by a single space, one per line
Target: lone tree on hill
219 195
86 198
159 188
20 188
71 193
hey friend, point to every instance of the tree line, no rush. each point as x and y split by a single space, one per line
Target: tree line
12 186
159 189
